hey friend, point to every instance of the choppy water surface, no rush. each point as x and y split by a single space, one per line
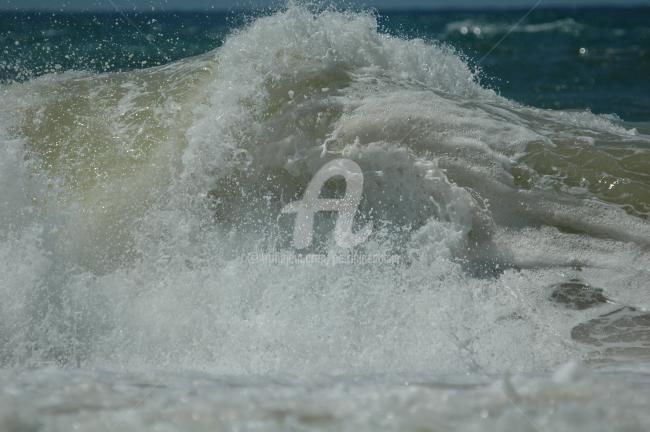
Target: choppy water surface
133 198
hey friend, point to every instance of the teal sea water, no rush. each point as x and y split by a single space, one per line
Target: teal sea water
148 280
595 58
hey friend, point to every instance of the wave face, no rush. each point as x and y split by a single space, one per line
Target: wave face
132 203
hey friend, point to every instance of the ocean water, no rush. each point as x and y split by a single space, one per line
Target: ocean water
147 275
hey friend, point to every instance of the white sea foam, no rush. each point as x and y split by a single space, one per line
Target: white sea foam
130 199
478 28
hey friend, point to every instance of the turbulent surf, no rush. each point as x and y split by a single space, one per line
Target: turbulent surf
136 206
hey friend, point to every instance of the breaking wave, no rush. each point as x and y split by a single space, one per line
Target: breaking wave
132 201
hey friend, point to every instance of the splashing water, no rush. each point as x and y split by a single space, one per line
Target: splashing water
132 202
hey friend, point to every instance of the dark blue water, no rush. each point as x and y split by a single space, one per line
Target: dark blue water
597 59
